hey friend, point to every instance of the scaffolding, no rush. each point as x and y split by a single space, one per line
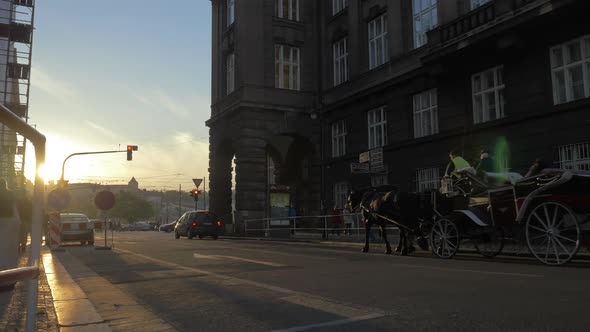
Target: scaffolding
16 44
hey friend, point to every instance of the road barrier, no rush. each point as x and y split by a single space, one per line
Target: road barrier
54 230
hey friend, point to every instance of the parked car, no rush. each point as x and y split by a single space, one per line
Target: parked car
142 226
168 227
198 223
76 227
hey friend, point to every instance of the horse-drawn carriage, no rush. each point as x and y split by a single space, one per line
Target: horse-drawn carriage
549 211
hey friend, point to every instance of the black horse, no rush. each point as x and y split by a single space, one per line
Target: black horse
386 204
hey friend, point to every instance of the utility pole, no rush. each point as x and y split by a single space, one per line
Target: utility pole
179 199
205 193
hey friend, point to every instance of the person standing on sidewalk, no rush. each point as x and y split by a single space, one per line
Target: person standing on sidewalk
9 228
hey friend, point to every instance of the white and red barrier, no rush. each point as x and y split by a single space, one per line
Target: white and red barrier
54 230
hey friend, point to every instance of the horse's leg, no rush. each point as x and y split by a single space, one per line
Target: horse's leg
367 235
387 246
404 242
401 236
410 239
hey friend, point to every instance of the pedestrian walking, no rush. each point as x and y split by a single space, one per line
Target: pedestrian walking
9 228
337 220
24 206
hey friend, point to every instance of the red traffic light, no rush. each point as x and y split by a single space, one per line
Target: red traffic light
130 149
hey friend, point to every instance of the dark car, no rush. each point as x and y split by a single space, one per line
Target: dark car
198 223
168 227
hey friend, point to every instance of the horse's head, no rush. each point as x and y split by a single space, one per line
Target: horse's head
354 200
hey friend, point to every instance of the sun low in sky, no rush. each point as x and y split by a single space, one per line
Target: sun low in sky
110 73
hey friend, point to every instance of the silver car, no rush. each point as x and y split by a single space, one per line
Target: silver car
76 227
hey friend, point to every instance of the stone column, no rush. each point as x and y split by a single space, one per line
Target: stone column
251 179
220 177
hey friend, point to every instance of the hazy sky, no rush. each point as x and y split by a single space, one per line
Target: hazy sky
115 72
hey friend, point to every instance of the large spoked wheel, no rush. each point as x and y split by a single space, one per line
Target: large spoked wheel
553 233
444 238
489 244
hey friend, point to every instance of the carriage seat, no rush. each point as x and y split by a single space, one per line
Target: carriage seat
499 178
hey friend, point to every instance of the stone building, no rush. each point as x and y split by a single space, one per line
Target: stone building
303 89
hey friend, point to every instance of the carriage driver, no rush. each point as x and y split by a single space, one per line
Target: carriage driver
459 164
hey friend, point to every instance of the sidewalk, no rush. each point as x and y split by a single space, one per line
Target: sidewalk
104 306
13 306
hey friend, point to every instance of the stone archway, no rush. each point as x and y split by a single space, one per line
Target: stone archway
254 136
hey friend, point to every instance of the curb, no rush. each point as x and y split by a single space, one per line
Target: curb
345 244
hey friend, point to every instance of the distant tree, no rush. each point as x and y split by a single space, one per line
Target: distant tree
130 207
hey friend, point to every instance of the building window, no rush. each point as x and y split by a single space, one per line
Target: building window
338 6
231 70
377 128
379 180
477 3
288 9
425 114
488 95
425 19
286 67
575 156
570 70
340 49
340 194
378 52
427 179
338 139
231 9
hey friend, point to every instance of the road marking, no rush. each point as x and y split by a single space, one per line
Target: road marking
201 256
332 323
329 307
304 299
471 271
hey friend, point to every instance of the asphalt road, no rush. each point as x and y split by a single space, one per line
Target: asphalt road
240 285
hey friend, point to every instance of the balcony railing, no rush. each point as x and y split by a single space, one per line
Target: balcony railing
474 19
468 22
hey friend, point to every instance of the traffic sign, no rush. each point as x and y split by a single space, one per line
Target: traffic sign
197 182
359 168
104 200
59 199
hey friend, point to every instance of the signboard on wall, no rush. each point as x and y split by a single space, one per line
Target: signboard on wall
359 168
364 157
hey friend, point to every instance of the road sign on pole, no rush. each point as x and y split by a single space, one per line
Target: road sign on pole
197 182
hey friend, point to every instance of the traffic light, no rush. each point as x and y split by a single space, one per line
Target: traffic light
130 149
195 193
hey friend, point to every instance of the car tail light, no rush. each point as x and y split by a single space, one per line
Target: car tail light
219 224
195 224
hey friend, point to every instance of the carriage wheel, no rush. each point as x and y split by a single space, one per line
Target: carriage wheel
489 244
553 233
444 238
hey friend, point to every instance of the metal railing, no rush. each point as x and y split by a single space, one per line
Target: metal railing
11 120
342 227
